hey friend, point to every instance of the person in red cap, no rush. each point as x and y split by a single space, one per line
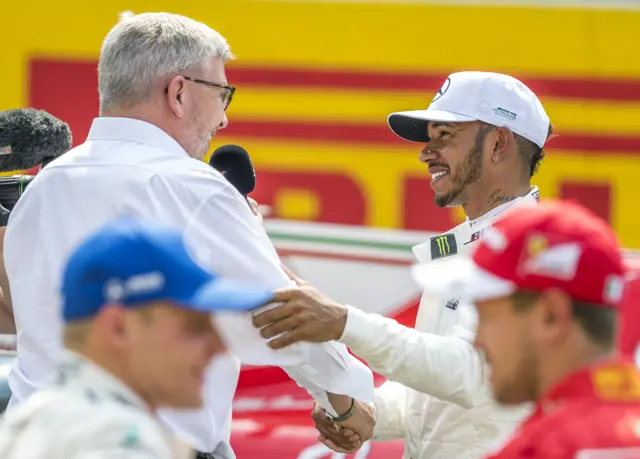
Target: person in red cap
629 333
547 282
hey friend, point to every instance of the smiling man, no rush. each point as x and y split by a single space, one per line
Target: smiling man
484 136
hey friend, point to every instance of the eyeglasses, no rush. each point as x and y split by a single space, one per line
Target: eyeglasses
227 96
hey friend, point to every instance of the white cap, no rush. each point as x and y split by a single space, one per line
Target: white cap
494 98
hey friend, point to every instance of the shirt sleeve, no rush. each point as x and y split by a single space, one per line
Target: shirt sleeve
227 237
390 404
446 367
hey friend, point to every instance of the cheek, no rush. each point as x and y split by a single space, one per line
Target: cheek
192 349
215 345
216 114
448 154
513 345
452 157
495 337
142 340
145 357
156 341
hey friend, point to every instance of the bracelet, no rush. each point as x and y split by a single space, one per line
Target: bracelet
348 414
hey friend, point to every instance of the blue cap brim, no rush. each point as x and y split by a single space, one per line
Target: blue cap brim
229 295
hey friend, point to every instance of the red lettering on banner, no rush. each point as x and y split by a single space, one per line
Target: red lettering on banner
340 198
418 209
594 196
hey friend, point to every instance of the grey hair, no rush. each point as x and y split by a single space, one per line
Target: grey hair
142 49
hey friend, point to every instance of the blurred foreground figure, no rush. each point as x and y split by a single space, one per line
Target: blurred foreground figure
138 334
548 283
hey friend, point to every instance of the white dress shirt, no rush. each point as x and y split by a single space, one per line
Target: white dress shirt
129 166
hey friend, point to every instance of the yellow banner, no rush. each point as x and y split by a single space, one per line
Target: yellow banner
317 80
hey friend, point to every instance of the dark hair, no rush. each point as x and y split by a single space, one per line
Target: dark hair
598 322
531 152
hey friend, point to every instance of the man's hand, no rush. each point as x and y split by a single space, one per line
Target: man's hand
348 436
305 315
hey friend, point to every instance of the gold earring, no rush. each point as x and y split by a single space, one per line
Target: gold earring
496 158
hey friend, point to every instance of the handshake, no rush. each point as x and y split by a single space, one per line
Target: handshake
345 436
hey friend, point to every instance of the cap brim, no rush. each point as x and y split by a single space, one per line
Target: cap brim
461 277
412 125
229 295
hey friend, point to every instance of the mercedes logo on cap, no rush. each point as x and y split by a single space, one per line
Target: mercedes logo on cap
442 90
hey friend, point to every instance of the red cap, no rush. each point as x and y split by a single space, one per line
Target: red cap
629 336
557 244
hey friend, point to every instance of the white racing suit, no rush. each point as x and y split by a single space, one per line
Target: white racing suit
89 414
437 397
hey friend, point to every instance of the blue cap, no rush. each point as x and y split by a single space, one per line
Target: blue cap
131 262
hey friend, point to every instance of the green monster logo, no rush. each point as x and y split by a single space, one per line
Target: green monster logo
443 245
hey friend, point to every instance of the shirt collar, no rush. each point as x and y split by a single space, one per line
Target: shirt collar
532 196
611 380
79 373
464 230
133 130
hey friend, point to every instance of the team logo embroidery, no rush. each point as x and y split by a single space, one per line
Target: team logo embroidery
443 89
505 113
536 244
453 304
443 246
616 382
476 236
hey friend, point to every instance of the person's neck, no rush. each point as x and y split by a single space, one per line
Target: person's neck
116 368
140 112
480 203
562 365
148 113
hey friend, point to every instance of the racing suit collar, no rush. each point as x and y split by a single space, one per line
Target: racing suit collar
611 380
78 373
462 232
490 216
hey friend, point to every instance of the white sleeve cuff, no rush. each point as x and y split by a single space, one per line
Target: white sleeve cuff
356 329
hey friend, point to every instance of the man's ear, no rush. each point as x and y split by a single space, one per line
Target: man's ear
112 323
556 313
503 139
174 95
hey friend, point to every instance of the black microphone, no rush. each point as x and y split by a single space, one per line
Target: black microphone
28 138
234 163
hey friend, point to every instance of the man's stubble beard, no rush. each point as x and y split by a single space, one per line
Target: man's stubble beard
468 173
523 385
201 140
